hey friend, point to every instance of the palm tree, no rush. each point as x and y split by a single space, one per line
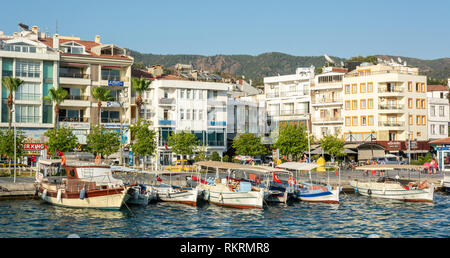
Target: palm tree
57 96
101 94
11 84
140 85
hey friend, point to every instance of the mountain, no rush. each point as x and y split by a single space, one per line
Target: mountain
273 63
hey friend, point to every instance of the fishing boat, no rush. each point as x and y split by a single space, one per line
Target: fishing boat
277 183
394 188
313 191
86 185
140 195
173 191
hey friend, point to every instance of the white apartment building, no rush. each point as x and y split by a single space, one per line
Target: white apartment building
386 104
288 98
326 102
173 104
438 112
77 66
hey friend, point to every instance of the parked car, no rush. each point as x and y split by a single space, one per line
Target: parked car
176 166
391 159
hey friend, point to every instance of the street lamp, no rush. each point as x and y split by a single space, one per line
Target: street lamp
14 115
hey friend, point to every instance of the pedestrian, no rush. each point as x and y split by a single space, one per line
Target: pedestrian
433 166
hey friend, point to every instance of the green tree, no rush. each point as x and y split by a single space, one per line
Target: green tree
248 144
183 143
61 139
101 94
11 84
101 141
144 139
333 146
140 85
292 139
56 96
7 144
215 156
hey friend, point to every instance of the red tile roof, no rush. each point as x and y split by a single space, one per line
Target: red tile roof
437 88
140 73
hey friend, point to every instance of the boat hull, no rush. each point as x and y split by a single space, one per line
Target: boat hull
281 197
321 197
111 199
240 200
169 194
391 191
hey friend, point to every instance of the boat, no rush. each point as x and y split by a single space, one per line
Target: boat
170 192
276 190
86 185
140 195
311 191
446 183
394 188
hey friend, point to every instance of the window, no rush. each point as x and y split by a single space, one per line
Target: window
424 120
188 114
418 120
347 89
181 114
200 114
28 69
370 103
354 88
354 104
411 120
348 121
422 86
419 134
355 121
27 114
72 48
423 104
188 93
110 116
410 103
347 105
369 87
28 91
182 93
418 103
166 114
363 104
417 87
194 94
410 87
166 93
441 110
433 129
363 120
442 130
370 120
362 88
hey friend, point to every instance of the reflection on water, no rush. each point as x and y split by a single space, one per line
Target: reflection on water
355 216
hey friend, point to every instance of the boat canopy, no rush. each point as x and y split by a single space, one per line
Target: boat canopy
298 166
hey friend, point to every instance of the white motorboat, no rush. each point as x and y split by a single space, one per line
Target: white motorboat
140 195
173 193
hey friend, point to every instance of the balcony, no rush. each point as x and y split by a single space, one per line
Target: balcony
217 123
390 107
292 112
74 75
74 119
72 97
110 120
391 90
167 101
391 124
327 119
272 95
167 122
326 101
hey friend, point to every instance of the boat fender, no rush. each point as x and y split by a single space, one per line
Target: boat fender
82 194
44 194
369 192
58 196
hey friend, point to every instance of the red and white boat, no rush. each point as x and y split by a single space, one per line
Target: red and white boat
86 185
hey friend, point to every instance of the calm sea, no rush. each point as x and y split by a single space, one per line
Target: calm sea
355 217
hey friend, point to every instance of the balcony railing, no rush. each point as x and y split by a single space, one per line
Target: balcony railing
273 112
166 122
110 120
391 123
74 75
355 74
74 119
325 101
216 143
217 123
391 107
327 119
28 96
71 97
393 90
166 101
111 78
272 95
293 112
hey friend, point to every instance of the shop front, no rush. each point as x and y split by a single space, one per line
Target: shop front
442 148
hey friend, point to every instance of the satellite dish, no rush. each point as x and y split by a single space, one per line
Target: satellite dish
24 27
392 60
328 59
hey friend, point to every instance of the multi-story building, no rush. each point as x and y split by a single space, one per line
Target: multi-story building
174 104
77 66
438 111
326 102
386 104
288 98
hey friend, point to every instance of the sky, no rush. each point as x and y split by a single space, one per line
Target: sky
342 28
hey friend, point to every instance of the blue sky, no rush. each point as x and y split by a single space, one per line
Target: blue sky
342 28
